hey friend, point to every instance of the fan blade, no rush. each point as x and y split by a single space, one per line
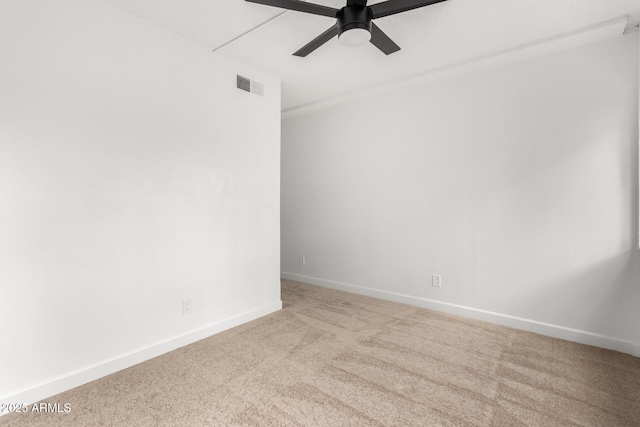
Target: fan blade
362 3
391 7
318 41
299 6
380 40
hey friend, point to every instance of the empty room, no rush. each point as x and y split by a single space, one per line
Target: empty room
319 213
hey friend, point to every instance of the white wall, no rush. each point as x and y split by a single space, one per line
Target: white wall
133 174
637 257
517 184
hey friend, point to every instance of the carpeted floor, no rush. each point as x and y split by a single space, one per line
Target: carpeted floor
336 359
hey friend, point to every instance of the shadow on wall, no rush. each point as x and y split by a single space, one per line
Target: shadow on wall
600 287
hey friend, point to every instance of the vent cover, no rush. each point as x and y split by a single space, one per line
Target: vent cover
243 83
249 85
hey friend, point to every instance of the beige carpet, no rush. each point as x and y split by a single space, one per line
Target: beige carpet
335 359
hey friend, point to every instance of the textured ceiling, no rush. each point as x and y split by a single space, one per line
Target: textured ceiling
432 38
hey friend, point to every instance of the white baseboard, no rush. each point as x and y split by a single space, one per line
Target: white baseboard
83 376
556 331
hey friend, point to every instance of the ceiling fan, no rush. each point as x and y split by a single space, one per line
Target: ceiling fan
354 26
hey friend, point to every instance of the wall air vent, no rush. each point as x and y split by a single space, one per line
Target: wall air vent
249 85
244 83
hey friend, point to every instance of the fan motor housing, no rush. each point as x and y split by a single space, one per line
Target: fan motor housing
351 17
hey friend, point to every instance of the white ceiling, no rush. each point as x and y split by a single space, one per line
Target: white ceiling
433 38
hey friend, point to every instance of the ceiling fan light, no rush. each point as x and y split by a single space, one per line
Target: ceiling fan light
355 37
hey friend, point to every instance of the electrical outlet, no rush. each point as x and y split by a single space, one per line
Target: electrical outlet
436 281
302 261
187 306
